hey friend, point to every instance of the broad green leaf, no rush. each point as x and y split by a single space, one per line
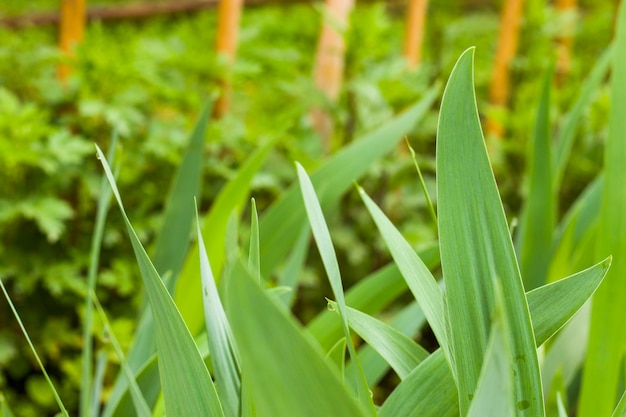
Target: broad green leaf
434 372
286 371
494 392
221 343
607 339
32 348
281 223
186 383
370 295
254 259
86 405
534 239
475 246
331 266
231 198
565 138
417 275
400 351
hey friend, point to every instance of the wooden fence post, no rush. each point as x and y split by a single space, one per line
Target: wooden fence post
414 31
329 62
229 15
507 47
71 31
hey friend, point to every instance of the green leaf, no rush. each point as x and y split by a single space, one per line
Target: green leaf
331 266
534 239
411 398
280 225
173 239
186 383
400 351
232 197
254 258
620 410
494 392
476 246
221 343
286 371
606 335
419 279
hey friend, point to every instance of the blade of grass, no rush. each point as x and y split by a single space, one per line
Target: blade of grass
289 276
370 295
337 356
186 383
418 277
139 401
104 200
254 258
606 333
400 351
561 406
620 410
331 266
566 135
305 384
32 348
475 246
221 343
231 198
281 222
429 202
101 364
534 238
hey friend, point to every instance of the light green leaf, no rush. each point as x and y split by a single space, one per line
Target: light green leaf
254 258
534 239
186 383
476 246
606 335
620 410
221 343
419 279
331 266
304 385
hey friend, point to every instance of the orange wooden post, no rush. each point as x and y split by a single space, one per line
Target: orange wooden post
567 10
414 31
329 62
507 47
71 31
229 15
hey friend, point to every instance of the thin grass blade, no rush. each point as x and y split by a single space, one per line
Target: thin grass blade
32 348
305 384
104 201
186 383
331 266
534 239
221 342
620 410
254 257
418 277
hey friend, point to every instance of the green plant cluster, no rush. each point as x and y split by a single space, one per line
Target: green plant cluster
147 88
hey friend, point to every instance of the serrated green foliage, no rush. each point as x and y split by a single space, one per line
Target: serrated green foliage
182 371
331 266
534 239
606 334
266 336
476 246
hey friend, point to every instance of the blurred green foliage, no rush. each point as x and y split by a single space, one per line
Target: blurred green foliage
146 81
